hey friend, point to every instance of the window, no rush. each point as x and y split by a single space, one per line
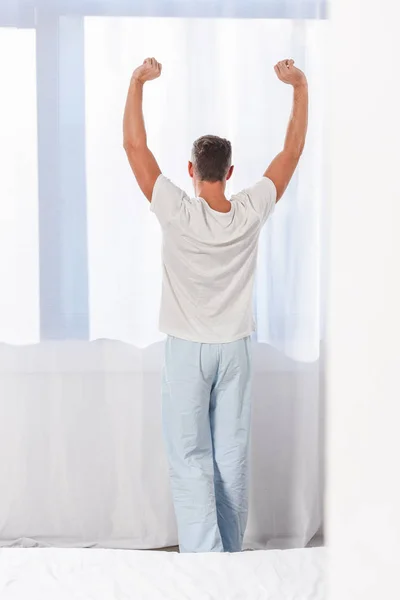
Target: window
76 139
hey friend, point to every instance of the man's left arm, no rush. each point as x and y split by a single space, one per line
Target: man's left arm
141 160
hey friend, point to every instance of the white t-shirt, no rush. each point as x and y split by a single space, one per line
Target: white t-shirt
209 260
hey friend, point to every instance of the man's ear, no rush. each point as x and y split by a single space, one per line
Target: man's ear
190 169
229 175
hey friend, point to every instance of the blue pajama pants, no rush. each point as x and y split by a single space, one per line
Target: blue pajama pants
206 421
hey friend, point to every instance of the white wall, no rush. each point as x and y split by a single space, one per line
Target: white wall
81 448
363 525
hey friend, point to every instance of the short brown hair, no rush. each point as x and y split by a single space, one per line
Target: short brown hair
211 157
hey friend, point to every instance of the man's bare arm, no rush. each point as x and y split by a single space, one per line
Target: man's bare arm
142 161
284 165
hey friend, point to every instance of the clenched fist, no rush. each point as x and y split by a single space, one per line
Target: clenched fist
288 73
150 69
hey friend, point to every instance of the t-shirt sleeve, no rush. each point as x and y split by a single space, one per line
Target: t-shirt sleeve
166 200
262 197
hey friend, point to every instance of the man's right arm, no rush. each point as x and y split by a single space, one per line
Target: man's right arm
141 159
284 165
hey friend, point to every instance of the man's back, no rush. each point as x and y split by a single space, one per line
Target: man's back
209 259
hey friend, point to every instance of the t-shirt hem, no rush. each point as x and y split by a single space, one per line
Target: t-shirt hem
203 340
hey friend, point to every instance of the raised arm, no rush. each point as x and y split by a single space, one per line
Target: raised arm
142 161
284 165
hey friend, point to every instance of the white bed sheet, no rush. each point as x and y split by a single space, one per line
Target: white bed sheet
61 574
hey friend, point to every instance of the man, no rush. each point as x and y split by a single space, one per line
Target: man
209 259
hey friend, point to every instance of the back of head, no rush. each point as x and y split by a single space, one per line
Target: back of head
211 158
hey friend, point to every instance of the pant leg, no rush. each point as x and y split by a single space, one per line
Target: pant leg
230 427
189 372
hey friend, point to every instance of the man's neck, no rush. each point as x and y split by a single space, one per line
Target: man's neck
214 194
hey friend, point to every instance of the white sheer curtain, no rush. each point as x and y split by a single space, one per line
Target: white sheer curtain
81 457
218 78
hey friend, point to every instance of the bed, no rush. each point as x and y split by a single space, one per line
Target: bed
64 574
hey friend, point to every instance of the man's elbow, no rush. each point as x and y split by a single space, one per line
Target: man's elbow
300 149
295 152
132 146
